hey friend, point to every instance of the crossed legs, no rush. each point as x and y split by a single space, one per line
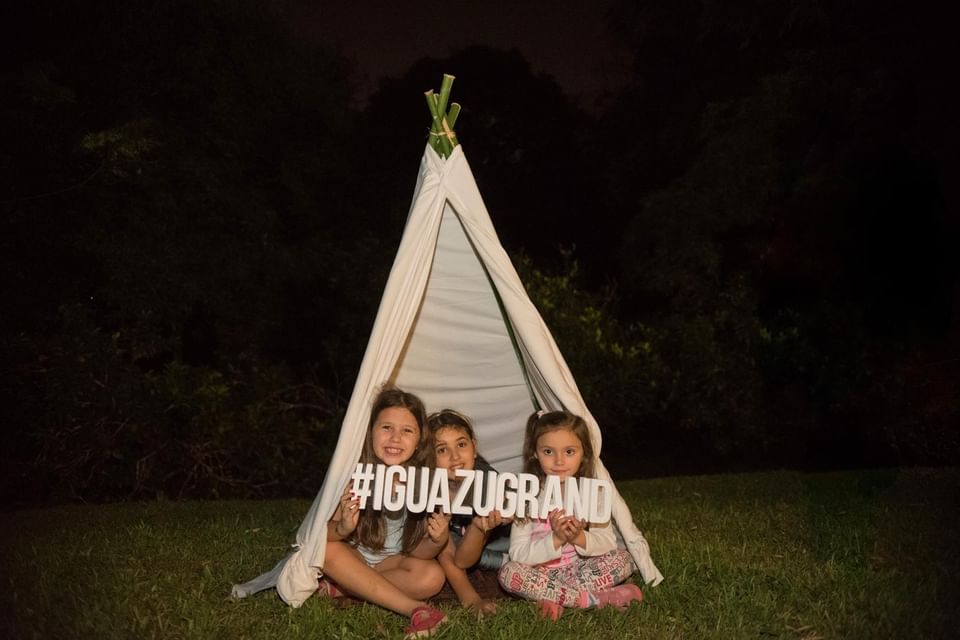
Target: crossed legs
399 583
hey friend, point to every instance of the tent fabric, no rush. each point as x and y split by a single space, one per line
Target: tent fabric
440 333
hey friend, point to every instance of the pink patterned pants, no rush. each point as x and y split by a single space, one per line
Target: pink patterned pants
570 584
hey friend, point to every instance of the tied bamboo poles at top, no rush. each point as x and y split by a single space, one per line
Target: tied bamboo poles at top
442 136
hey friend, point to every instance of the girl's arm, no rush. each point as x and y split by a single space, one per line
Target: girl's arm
457 577
596 541
344 520
475 539
438 534
528 549
470 547
588 542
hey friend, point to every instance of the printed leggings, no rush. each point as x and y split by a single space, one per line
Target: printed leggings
570 585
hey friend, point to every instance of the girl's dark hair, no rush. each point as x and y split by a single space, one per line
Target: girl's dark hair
540 423
371 528
448 418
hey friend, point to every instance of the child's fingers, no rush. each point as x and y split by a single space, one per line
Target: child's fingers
350 503
573 526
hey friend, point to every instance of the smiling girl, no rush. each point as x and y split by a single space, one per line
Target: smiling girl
385 557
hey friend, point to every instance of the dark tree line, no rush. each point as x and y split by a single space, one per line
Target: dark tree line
748 257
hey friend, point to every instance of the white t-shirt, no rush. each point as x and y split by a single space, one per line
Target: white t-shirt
392 541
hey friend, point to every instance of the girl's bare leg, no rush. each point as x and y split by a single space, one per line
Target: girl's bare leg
415 577
460 583
347 568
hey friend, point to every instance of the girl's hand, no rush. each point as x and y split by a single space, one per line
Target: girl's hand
556 520
489 522
347 514
571 527
482 608
438 528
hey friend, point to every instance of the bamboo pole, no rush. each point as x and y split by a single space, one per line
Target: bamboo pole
439 141
445 86
452 114
442 136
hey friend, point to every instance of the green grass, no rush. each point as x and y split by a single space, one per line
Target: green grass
766 555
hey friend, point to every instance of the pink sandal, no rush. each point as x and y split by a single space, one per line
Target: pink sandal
328 589
424 621
620 597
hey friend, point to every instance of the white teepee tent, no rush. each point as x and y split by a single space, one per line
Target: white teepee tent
455 326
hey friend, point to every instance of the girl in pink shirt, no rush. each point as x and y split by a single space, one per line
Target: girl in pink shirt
560 560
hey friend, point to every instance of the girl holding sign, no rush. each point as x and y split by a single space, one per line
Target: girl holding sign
474 540
559 560
387 557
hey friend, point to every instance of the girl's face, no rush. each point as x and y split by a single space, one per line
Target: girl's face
395 435
560 453
454 449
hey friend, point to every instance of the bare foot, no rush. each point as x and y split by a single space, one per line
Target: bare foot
549 609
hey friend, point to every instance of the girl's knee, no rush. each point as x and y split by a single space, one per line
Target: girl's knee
433 578
506 575
428 578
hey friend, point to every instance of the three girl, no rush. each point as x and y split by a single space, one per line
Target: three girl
388 558
385 557
560 560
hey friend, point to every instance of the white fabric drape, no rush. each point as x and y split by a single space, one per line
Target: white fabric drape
440 333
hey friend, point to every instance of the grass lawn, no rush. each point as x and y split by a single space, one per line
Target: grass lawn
865 554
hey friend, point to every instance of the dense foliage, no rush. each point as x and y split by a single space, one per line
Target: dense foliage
197 223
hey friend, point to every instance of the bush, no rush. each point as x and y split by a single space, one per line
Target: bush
102 427
681 392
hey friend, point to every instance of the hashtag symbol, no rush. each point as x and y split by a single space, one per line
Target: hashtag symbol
362 479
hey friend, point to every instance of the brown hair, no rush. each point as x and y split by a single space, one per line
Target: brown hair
540 423
449 419
371 528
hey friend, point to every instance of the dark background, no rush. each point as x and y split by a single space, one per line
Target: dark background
742 229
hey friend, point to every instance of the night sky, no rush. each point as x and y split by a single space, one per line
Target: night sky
568 40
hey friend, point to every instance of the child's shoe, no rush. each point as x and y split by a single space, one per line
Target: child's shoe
549 609
328 589
619 597
424 621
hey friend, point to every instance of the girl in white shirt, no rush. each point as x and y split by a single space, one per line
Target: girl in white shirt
561 561
383 557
